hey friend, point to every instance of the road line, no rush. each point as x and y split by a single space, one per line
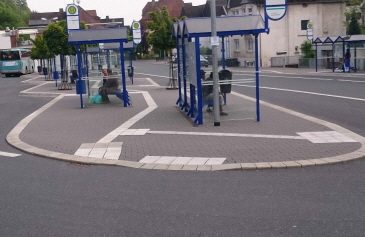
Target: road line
145 74
7 154
224 134
152 82
288 77
116 132
351 81
307 92
25 81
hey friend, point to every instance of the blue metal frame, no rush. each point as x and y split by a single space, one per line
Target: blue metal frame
79 64
182 35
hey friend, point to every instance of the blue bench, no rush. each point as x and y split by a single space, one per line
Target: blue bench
119 94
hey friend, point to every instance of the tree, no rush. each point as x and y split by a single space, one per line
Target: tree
354 26
40 49
161 30
56 38
13 14
353 15
306 48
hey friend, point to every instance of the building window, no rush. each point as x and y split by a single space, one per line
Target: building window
236 45
250 11
249 45
244 10
304 24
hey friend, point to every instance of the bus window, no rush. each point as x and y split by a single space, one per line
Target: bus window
9 55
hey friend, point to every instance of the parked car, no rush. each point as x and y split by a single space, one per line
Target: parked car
203 61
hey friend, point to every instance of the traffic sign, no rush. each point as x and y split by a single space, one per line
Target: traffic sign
309 30
275 9
136 30
73 18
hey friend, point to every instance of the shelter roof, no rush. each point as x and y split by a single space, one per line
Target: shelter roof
336 39
105 35
112 46
227 25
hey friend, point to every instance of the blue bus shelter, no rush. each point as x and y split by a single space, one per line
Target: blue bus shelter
130 46
351 41
96 36
187 33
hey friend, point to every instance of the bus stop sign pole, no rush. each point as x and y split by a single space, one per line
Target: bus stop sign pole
215 43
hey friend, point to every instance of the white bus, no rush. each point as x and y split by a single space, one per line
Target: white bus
16 62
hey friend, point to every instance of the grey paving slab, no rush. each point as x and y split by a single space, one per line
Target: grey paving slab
64 127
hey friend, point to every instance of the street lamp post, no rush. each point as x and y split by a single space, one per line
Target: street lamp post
215 43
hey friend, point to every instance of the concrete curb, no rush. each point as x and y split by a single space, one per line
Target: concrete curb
14 140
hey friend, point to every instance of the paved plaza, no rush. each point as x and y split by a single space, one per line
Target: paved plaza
153 133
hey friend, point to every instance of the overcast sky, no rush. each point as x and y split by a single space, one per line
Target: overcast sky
128 9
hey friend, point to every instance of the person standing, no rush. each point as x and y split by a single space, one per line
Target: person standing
347 60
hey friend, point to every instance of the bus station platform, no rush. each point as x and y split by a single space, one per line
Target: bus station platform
153 133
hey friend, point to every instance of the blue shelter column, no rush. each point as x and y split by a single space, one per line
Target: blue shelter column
108 58
55 73
355 55
333 58
122 66
257 79
79 69
199 117
343 55
316 57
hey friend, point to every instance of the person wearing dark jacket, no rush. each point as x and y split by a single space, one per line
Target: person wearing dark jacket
207 91
110 86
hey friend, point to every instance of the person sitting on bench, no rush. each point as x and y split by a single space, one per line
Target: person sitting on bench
208 95
110 86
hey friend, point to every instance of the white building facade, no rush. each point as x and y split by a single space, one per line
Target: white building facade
282 45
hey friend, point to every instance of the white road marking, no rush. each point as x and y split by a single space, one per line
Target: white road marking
25 81
308 92
289 77
325 137
7 154
351 81
110 151
145 74
125 126
224 134
152 82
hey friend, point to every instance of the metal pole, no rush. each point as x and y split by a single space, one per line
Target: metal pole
122 68
316 58
333 59
79 68
215 65
258 117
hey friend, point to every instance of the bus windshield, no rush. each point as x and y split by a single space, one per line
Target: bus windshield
9 55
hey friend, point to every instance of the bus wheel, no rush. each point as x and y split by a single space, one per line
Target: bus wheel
7 75
17 75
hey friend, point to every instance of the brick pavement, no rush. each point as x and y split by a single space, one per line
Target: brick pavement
64 127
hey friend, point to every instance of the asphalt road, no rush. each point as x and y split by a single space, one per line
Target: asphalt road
42 197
